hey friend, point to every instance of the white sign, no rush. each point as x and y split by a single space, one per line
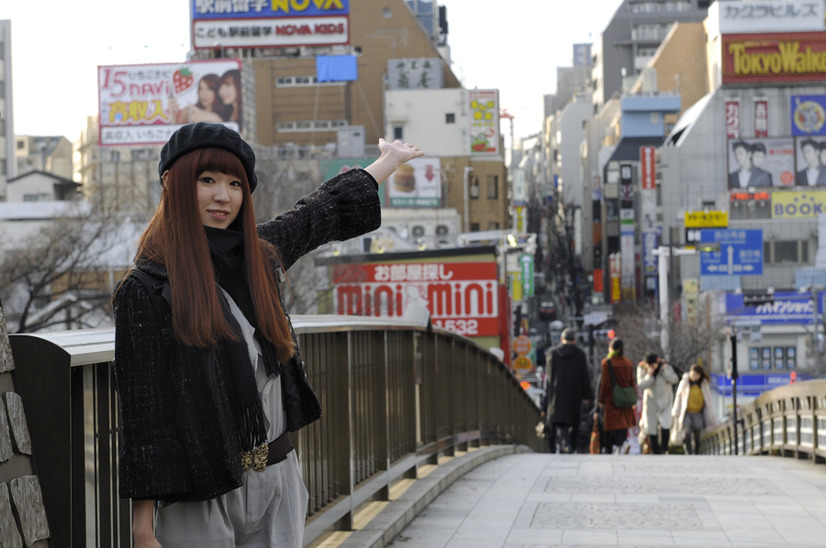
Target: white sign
768 16
262 33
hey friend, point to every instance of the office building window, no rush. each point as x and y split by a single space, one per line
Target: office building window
398 133
493 187
450 118
786 252
474 227
474 188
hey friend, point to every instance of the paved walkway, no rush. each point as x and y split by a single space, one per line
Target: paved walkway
538 500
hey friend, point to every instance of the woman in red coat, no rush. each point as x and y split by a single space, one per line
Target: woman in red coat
617 421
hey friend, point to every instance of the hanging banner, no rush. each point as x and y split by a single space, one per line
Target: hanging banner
732 119
484 121
761 118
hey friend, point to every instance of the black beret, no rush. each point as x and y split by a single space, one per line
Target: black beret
208 135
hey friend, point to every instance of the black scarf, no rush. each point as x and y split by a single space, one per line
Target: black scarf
227 252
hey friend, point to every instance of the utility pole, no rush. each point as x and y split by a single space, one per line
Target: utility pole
734 375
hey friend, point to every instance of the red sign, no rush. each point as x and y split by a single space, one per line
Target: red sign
648 171
461 297
761 118
732 119
781 57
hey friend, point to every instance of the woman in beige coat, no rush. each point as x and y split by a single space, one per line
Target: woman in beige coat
656 379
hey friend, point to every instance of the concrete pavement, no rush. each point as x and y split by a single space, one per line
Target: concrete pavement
520 499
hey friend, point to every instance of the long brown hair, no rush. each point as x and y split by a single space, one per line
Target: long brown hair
176 238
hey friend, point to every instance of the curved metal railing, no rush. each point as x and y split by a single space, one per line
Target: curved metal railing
787 421
395 397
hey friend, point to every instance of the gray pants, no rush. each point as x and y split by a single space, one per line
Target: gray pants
269 509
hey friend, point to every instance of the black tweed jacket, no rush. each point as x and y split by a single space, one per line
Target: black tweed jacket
179 441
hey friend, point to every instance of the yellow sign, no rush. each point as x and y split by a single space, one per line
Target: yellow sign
706 219
523 363
794 204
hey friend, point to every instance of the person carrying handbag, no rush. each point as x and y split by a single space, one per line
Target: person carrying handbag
616 370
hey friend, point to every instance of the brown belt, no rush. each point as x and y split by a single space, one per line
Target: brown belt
280 447
265 454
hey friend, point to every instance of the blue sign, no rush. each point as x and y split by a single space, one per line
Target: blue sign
808 115
650 242
267 10
751 384
740 254
788 307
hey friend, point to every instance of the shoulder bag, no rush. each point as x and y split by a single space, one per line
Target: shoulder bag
624 397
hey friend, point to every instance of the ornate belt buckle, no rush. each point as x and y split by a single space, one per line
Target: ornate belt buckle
259 457
246 460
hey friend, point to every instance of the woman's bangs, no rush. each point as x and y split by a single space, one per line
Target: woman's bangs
222 161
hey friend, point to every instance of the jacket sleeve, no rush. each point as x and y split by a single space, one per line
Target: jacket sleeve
343 207
670 375
604 384
644 378
587 389
676 409
148 436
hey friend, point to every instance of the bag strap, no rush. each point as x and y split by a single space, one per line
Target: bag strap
611 372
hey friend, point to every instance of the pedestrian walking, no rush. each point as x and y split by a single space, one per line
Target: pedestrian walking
616 420
567 386
692 410
656 379
209 376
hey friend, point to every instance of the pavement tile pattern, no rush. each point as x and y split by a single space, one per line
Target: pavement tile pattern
532 500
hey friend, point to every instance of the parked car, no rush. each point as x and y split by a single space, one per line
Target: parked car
547 311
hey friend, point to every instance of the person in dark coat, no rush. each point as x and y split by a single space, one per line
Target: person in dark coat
209 376
567 385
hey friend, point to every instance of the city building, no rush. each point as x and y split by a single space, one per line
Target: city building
631 39
52 154
7 156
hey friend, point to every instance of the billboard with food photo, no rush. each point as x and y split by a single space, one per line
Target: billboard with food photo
760 163
417 183
144 104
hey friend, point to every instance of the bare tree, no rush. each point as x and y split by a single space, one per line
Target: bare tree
62 274
639 326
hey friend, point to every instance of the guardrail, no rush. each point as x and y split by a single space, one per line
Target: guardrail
788 421
394 397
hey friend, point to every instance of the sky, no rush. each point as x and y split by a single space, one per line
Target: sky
57 45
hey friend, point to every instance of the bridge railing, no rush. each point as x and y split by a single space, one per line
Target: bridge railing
394 396
788 421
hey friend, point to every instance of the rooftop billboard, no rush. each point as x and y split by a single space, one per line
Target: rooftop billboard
275 23
144 104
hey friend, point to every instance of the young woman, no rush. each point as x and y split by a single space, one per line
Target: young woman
209 107
210 388
230 93
617 420
656 379
692 407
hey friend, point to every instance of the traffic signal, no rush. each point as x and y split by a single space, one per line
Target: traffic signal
611 334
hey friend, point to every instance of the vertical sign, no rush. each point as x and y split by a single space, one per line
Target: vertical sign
650 227
484 121
733 119
526 274
627 227
761 118
648 172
